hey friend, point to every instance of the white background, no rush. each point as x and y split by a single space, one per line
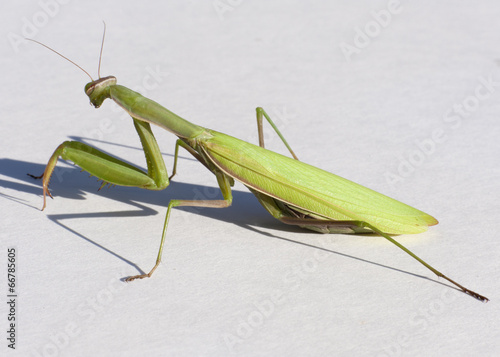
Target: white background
236 281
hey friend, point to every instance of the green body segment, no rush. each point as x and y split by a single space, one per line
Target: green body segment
310 188
144 109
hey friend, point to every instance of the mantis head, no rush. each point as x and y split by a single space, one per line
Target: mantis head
98 90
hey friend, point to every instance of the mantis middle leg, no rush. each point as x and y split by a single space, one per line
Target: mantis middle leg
261 113
225 184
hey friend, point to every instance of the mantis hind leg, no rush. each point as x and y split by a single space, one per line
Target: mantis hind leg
355 226
327 226
261 113
110 169
296 217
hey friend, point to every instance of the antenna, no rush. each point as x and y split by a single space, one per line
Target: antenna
100 54
66 58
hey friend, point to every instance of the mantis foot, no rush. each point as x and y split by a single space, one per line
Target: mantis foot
36 177
142 276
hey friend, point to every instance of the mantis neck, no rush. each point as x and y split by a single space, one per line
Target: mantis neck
147 110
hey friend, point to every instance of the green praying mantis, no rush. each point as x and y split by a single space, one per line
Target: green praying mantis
291 191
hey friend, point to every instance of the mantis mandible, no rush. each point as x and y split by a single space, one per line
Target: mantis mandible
291 191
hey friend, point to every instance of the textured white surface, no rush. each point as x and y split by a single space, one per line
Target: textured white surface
235 281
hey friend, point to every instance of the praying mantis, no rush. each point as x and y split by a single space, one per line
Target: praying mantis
291 191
